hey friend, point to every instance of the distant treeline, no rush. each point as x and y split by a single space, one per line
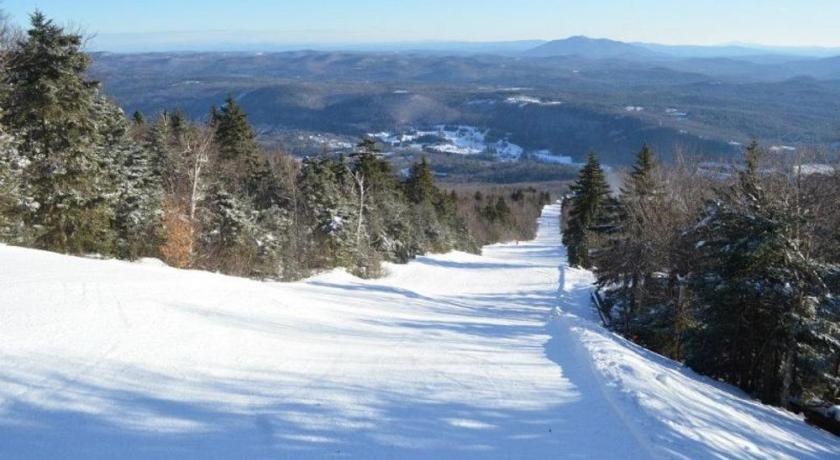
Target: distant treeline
734 271
77 176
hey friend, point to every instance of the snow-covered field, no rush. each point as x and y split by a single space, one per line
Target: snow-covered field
450 356
463 140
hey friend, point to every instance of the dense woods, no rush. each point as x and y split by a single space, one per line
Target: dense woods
77 176
732 270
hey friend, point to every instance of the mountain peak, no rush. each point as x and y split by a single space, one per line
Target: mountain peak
593 48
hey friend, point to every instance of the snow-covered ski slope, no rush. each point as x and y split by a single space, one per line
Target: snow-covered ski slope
452 356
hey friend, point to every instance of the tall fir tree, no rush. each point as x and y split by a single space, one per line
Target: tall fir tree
629 257
50 103
242 157
234 136
589 194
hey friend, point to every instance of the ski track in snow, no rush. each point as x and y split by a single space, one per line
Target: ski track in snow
451 356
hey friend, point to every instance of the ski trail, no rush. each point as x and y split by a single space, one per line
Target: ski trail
564 326
452 356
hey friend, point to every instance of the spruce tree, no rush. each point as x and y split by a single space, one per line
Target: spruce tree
589 194
229 239
138 194
234 136
760 299
628 258
51 103
244 164
420 186
329 198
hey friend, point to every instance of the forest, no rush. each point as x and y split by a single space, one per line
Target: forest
733 269
78 176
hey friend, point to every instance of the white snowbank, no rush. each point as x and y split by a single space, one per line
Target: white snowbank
672 411
451 356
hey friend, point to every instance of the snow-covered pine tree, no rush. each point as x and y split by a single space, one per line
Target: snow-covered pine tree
137 201
761 302
13 190
589 194
229 240
329 201
158 142
50 106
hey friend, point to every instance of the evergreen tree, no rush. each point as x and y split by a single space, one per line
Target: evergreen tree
137 201
329 198
384 217
420 186
158 143
632 253
243 162
589 194
13 187
230 236
642 181
138 118
234 136
761 301
51 103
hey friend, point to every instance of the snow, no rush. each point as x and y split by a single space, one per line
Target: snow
523 101
459 140
463 140
329 142
451 356
809 169
546 156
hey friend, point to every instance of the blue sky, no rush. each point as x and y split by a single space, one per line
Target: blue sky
120 22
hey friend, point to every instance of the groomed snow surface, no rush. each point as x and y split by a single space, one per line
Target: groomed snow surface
452 356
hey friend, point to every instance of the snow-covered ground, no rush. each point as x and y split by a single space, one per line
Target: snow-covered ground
546 156
450 356
462 140
524 101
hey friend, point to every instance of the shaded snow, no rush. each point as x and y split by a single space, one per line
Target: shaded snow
451 356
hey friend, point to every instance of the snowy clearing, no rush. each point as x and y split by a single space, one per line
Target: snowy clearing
451 356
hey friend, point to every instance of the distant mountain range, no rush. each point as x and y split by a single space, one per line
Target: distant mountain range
590 48
601 48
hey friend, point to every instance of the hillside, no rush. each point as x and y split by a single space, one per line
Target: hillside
450 356
568 104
